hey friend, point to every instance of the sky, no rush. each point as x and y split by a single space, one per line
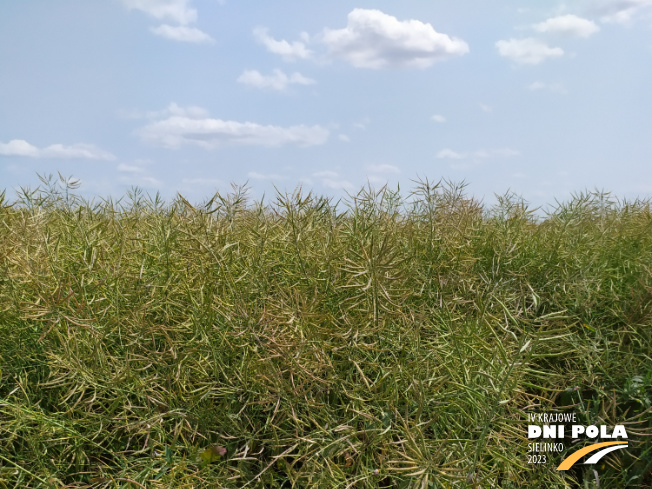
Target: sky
540 99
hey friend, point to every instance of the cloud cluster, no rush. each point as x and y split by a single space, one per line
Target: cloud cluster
527 51
534 51
177 130
288 51
178 11
182 33
278 80
172 10
568 24
373 39
20 147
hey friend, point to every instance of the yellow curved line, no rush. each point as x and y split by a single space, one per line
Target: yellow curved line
569 461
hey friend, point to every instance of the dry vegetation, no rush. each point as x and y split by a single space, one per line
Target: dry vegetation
393 341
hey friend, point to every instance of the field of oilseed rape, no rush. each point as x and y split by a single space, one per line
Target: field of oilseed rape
389 340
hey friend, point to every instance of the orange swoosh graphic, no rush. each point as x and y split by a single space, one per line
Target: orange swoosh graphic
568 463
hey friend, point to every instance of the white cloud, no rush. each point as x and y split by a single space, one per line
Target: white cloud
485 108
568 24
344 138
177 11
174 10
622 11
288 51
20 147
182 33
529 50
177 130
438 118
276 81
191 111
383 168
449 154
552 87
373 39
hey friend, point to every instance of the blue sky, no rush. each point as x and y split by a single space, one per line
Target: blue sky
539 98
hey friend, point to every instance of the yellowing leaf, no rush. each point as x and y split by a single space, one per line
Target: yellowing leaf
212 454
348 458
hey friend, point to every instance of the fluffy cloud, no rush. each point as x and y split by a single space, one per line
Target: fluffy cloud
373 39
528 51
182 33
174 10
568 24
622 11
438 118
177 130
289 51
20 147
449 154
276 81
177 11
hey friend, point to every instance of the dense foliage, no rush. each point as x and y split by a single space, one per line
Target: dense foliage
388 341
